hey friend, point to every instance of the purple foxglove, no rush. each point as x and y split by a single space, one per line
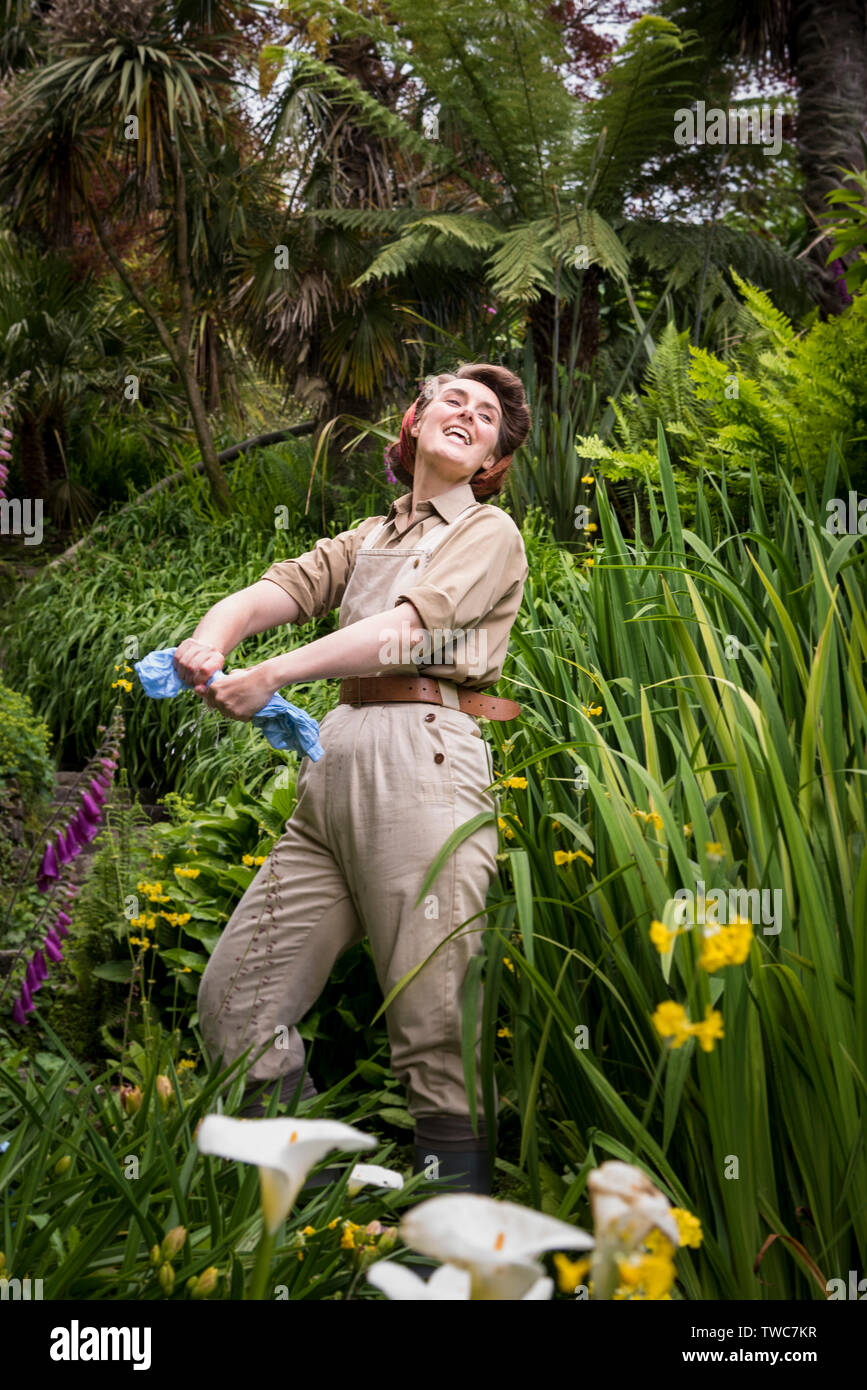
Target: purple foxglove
63 852
59 928
63 919
73 843
18 1013
31 975
54 952
5 454
89 809
39 964
26 998
90 831
109 763
48 867
98 793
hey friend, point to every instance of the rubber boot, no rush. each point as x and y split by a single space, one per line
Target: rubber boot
450 1155
453 1170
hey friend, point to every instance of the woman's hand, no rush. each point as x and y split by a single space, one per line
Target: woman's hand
195 662
240 694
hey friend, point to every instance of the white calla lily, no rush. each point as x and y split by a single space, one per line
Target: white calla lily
498 1242
370 1173
626 1207
401 1284
283 1150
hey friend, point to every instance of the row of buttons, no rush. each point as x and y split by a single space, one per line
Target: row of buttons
438 757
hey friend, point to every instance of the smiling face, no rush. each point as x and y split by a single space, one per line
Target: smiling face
457 432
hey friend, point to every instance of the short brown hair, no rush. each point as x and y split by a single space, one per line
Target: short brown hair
514 424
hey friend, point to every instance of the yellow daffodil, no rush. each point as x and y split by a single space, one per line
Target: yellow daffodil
562 856
570 1273
661 937
689 1227
727 945
709 1030
670 1021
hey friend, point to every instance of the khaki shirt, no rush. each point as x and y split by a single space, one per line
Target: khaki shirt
472 584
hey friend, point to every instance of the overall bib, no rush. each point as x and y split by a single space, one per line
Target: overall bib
396 779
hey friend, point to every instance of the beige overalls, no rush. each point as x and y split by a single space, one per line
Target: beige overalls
395 781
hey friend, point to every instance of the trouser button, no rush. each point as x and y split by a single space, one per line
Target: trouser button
439 757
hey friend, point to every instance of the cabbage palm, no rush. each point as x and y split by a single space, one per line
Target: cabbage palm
127 93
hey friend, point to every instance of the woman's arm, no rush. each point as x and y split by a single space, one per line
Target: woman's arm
356 650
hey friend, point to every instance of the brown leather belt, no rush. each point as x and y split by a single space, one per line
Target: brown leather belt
371 690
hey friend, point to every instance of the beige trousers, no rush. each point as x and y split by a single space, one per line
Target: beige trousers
371 815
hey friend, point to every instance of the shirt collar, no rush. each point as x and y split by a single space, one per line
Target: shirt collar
448 504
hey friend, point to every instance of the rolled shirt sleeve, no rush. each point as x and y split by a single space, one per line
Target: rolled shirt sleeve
470 578
318 578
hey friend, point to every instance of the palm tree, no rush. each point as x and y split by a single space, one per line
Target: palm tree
532 187
822 46
128 94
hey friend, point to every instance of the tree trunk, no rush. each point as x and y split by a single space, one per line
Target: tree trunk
828 41
33 468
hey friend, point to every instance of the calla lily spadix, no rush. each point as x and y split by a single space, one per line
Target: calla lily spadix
400 1284
497 1242
283 1150
364 1173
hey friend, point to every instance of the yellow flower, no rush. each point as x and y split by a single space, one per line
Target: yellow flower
186 872
592 709
309 1231
591 526
247 859
689 1227
520 782
710 1030
186 1063
588 478
570 1273
335 1222
661 937
589 561
155 854
670 1021
647 1276
504 1032
714 851
562 856
555 825
687 829
184 970
655 820
504 826
259 859
124 685
183 918
729 945
508 964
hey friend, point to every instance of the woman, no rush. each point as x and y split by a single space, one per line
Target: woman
428 595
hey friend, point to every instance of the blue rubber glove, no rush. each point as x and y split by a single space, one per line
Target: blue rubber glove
284 725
